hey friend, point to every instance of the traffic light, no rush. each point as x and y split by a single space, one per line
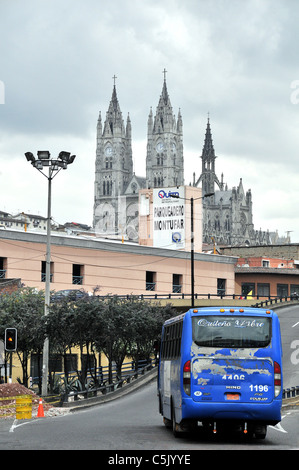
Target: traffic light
10 339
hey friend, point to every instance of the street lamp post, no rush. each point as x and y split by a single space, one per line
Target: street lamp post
54 166
192 252
192 237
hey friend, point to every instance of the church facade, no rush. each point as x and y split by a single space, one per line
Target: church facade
227 214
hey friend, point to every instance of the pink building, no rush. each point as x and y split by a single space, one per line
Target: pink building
111 266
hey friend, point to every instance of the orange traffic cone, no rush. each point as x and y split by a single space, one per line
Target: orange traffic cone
40 411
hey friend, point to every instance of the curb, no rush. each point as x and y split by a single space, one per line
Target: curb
290 404
120 392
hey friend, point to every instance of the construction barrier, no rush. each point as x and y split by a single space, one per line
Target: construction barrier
19 406
24 407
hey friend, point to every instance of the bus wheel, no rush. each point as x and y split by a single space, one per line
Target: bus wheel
175 426
260 432
160 405
167 423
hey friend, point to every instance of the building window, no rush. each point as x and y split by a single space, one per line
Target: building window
294 291
265 263
177 283
88 362
36 366
158 181
248 288
78 273
70 363
107 188
221 286
3 266
43 271
150 280
263 290
282 290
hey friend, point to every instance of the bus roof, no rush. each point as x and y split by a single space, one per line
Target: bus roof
219 310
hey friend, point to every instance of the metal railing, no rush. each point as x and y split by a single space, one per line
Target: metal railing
150 286
102 384
77 280
177 288
275 300
180 295
43 277
290 392
99 381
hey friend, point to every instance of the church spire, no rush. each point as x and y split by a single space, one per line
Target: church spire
114 124
165 160
164 120
208 176
208 151
114 166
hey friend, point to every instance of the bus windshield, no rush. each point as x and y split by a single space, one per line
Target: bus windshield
231 332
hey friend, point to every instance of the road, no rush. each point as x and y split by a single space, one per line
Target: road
289 324
132 422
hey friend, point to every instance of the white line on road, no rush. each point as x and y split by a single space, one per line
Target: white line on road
15 425
278 427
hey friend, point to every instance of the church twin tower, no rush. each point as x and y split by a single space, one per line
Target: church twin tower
116 185
227 216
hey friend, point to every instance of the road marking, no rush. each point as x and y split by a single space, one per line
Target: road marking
295 324
15 425
278 427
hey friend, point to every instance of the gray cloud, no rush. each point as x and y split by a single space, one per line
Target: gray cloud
235 60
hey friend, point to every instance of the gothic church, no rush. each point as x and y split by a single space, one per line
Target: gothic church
227 215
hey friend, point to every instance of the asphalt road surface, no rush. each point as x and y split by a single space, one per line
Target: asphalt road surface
132 423
289 324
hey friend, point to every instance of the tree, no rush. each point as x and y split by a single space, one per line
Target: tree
148 322
61 326
75 323
24 310
120 328
114 334
87 314
130 328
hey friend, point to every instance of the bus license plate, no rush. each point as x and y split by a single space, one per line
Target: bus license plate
232 396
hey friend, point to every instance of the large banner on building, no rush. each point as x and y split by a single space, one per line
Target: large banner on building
169 218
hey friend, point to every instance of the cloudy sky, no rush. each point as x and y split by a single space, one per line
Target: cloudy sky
236 60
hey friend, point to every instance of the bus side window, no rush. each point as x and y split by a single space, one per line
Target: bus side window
171 342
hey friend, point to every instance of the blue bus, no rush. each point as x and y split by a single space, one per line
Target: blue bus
219 368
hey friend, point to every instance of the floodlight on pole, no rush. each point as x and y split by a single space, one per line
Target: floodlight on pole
54 166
